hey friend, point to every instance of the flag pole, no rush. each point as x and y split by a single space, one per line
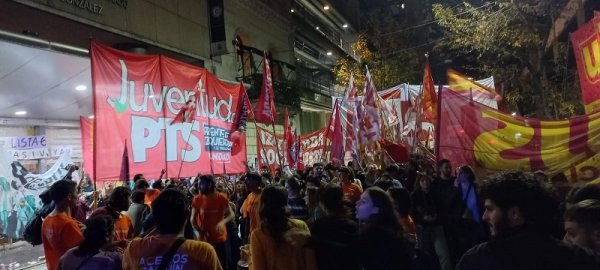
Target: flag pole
281 159
336 106
185 149
262 144
438 123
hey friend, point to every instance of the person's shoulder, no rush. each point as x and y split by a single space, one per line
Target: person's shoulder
222 197
477 257
69 254
196 247
99 211
299 224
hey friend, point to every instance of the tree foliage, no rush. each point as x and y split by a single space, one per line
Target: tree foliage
392 58
506 38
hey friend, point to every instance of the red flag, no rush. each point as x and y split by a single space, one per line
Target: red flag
124 175
586 45
187 112
265 109
429 96
237 134
290 142
337 145
352 92
370 127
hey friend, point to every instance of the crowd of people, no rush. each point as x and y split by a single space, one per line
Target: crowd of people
416 215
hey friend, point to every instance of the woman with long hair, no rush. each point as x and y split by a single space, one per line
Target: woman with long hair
382 243
268 247
99 232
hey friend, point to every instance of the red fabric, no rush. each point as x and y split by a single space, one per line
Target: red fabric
266 145
586 43
312 147
351 92
124 176
399 153
337 141
135 98
429 96
87 145
290 141
370 126
265 109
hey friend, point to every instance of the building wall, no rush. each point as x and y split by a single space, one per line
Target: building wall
182 25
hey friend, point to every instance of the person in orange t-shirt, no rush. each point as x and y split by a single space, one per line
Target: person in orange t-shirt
117 203
60 232
351 190
151 194
170 210
210 213
251 204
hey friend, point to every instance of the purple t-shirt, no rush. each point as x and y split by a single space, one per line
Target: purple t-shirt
104 260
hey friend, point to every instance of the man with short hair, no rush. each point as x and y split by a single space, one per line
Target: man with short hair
351 190
319 172
581 193
520 212
118 202
170 210
296 202
60 232
582 225
210 214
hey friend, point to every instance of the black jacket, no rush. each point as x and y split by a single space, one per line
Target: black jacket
334 240
524 248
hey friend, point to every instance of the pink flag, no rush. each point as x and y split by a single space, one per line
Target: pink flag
337 146
370 127
265 109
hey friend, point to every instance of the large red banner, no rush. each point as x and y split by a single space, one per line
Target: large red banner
586 45
483 137
135 99
312 147
266 145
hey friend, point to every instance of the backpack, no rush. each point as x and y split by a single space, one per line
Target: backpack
33 229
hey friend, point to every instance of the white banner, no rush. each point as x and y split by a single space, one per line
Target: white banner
28 142
38 153
19 190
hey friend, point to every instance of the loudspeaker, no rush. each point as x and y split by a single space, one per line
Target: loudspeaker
216 13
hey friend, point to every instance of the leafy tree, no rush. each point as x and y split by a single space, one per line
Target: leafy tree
392 58
506 38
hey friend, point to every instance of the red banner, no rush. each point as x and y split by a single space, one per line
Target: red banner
480 136
312 147
135 99
87 145
267 147
586 45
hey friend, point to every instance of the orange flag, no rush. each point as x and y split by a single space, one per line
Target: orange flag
429 96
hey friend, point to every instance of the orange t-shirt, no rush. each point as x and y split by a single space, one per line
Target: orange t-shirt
151 195
59 234
123 228
251 209
209 212
351 191
147 252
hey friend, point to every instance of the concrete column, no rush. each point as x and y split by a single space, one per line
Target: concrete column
41 163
